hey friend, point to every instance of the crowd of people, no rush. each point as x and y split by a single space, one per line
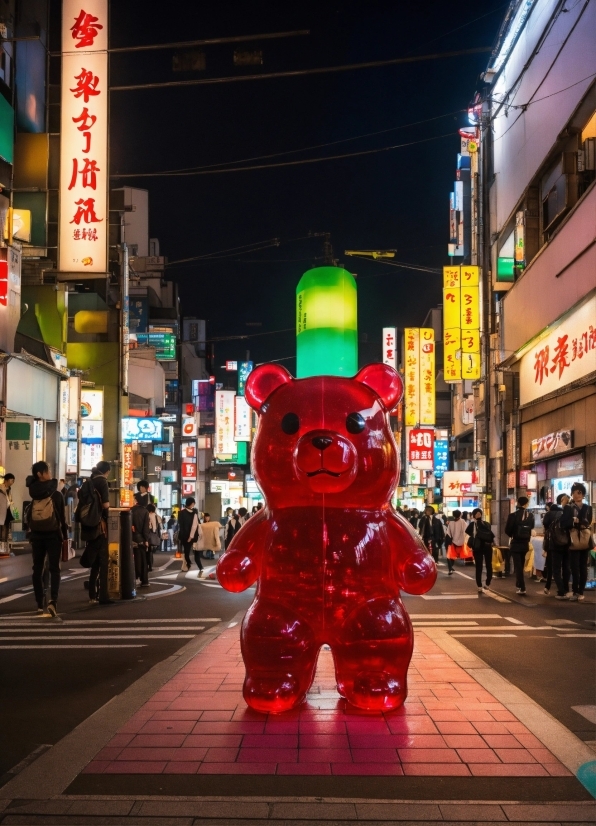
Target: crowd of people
562 553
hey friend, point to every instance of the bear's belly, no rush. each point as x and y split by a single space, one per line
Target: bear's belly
324 563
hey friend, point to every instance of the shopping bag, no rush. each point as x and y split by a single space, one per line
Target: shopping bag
529 562
67 550
498 564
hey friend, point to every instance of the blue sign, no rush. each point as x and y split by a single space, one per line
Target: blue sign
142 430
138 314
441 458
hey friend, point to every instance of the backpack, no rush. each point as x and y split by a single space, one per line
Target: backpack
88 512
558 539
483 538
41 516
523 531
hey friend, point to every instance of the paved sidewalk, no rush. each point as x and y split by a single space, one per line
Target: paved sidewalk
450 726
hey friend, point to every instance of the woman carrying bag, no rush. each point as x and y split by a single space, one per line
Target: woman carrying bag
481 542
577 519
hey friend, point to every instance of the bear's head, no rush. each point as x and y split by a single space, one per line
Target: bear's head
325 439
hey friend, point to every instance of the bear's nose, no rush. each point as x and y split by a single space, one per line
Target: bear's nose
322 442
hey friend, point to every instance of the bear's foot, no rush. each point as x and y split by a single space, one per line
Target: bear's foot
375 691
272 694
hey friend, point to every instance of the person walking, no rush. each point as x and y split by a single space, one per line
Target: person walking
577 518
414 518
46 525
154 534
456 531
141 538
189 533
172 528
518 528
96 538
232 528
6 513
556 542
143 497
481 542
210 541
431 530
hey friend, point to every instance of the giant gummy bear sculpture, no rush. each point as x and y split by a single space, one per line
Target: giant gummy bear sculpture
329 553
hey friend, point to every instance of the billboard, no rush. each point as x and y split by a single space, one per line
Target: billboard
419 355
224 423
142 430
461 322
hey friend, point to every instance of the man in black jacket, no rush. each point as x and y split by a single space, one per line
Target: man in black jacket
431 530
141 534
188 523
519 527
557 555
45 534
97 538
576 516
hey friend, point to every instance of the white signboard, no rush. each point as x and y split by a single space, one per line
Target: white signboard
565 354
224 423
92 405
389 346
458 482
242 425
83 235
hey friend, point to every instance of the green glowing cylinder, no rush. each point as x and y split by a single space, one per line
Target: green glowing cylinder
326 323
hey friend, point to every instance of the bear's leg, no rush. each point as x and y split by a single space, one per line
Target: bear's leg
372 653
280 654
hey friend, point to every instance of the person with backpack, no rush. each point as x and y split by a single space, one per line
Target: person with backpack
518 528
143 497
481 541
556 546
45 518
141 538
577 518
92 515
189 533
431 530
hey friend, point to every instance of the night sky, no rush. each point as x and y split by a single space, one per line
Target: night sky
395 199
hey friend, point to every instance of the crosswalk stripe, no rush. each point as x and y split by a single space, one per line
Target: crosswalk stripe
47 647
34 619
54 629
107 637
475 636
454 616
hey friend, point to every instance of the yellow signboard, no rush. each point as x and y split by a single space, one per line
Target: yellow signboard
412 376
427 376
461 322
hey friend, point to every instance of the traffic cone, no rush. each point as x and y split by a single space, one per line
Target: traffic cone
178 554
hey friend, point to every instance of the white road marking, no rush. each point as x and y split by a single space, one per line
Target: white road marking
513 620
475 636
467 576
11 597
46 647
589 712
168 592
107 637
576 635
21 621
449 596
454 616
112 630
444 624
232 624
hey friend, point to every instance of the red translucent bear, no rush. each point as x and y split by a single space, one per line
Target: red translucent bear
329 553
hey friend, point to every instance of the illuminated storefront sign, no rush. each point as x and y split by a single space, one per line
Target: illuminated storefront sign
242 420
164 343
461 322
189 427
224 423
551 444
458 482
244 371
420 448
419 357
142 430
390 346
127 465
441 458
92 405
565 354
83 233
189 470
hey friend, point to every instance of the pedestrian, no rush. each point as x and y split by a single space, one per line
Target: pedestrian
431 531
556 546
232 528
414 518
210 541
62 487
518 528
154 534
141 538
172 527
189 533
46 525
143 497
96 538
577 518
6 512
481 541
456 531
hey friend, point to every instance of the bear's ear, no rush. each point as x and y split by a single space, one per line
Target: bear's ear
384 380
263 381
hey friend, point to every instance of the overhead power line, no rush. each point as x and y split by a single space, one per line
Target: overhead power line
284 163
213 41
371 64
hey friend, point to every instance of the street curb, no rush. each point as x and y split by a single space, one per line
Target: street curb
55 770
572 752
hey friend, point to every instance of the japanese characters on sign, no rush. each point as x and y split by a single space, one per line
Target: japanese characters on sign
458 482
127 465
243 420
189 470
412 376
566 354
441 458
83 234
427 375
245 368
142 430
551 444
421 448
224 423
461 322
390 346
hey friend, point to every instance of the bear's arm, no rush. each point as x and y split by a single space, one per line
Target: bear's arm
413 566
240 565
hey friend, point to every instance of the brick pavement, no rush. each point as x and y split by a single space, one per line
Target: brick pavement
198 723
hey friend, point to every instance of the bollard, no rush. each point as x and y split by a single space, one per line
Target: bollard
127 564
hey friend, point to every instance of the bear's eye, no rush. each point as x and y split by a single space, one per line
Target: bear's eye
355 423
290 424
